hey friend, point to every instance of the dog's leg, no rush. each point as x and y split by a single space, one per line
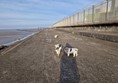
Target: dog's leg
74 55
57 53
68 53
77 53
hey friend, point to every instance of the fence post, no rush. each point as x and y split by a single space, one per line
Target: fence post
93 14
84 17
113 9
78 18
106 11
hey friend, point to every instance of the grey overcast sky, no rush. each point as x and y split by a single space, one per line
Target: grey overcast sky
20 14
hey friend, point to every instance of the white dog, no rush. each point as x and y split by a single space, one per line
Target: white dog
58 48
55 36
73 51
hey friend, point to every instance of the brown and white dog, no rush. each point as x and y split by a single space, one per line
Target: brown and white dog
58 48
73 51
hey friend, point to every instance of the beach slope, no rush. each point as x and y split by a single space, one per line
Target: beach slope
35 61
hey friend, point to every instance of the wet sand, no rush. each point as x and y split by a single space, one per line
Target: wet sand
35 61
7 36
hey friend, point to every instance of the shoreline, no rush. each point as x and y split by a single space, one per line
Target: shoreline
3 46
11 43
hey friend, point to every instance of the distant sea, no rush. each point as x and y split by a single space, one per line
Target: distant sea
11 36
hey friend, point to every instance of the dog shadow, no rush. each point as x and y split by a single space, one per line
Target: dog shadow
68 68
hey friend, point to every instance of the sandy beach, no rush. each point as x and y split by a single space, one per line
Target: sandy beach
35 61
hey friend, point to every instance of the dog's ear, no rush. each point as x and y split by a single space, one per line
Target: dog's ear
70 49
55 46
